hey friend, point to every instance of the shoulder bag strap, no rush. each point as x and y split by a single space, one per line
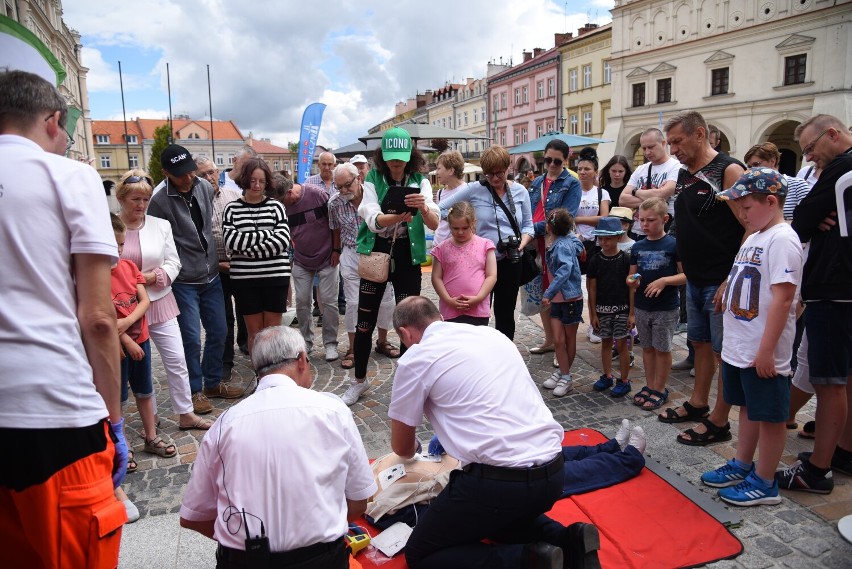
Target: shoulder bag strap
506 211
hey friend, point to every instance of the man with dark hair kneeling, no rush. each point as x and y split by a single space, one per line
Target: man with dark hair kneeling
487 410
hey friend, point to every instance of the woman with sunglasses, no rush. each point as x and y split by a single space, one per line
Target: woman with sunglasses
493 223
556 188
150 246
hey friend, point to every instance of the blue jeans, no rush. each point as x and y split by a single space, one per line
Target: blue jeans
703 324
202 303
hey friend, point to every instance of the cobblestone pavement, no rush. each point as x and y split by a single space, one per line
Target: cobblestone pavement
800 532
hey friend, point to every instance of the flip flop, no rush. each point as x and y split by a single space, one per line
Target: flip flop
808 430
200 424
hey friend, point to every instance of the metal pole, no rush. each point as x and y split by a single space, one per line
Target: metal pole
124 116
169 86
210 102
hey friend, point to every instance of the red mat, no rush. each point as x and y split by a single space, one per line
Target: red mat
644 522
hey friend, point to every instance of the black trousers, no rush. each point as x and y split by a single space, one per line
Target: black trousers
231 315
405 279
333 555
506 296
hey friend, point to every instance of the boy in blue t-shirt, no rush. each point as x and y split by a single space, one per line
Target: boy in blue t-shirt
657 301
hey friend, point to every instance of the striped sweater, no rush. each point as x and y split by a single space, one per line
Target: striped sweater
258 237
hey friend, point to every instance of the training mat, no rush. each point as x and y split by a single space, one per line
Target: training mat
644 523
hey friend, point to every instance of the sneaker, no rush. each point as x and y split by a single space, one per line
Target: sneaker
683 364
224 390
727 475
542 555
331 353
692 372
637 439
131 510
798 477
355 391
751 492
681 328
551 381
594 338
200 404
614 352
842 466
603 383
580 545
621 389
564 385
632 359
622 435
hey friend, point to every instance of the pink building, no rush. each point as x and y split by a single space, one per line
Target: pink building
524 101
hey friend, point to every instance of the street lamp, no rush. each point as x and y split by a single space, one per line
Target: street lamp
560 122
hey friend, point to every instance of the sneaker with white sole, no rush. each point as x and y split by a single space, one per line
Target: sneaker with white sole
594 338
799 477
637 439
355 391
551 381
727 475
564 385
622 435
751 492
331 353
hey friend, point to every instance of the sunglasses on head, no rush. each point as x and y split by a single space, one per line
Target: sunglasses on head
557 161
137 179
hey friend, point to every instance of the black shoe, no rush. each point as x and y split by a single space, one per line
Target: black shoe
244 349
843 466
580 547
342 309
799 477
541 555
316 311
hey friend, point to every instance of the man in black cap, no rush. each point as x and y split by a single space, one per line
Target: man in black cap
186 202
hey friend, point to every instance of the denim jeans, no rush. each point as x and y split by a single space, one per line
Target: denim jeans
704 324
202 304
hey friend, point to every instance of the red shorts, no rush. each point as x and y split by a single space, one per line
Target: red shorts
71 520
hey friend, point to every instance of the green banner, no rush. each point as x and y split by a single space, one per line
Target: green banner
21 49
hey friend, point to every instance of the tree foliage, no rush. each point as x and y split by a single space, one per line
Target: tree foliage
161 140
439 144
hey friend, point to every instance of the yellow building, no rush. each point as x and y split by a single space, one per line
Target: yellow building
470 113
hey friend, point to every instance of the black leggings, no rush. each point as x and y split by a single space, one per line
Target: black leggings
506 296
405 279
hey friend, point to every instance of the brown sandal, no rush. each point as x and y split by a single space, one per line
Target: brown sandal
348 361
160 447
387 349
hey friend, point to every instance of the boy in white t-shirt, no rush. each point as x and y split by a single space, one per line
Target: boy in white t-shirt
759 321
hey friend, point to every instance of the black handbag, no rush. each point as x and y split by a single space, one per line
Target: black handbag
529 268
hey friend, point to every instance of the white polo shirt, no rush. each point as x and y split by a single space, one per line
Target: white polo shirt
51 208
476 391
288 455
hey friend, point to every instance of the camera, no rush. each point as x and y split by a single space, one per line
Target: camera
509 246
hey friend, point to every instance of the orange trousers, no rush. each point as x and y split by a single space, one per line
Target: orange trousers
70 521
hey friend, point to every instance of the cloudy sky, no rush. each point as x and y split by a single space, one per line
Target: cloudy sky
269 59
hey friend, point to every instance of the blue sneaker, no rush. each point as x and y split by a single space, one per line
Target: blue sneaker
727 475
604 383
751 492
621 389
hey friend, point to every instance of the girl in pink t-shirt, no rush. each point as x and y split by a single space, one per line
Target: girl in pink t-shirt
464 270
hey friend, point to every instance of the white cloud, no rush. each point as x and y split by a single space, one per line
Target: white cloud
270 59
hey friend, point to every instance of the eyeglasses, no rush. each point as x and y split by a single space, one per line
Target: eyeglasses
548 161
137 179
499 174
347 186
70 139
207 173
810 147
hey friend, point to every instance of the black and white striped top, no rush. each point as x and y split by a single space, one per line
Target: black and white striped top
258 237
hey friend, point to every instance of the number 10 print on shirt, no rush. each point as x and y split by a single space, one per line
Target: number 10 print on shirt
742 293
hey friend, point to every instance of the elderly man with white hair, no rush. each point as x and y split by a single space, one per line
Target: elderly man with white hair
344 221
316 473
324 179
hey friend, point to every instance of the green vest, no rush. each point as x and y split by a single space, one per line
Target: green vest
416 233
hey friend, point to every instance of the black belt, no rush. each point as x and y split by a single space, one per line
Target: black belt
507 474
282 558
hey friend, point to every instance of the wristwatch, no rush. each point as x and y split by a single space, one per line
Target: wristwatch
633 192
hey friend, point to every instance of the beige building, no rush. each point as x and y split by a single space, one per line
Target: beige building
470 112
587 80
440 110
754 69
44 19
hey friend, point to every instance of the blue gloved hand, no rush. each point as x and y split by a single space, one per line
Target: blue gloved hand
435 446
119 461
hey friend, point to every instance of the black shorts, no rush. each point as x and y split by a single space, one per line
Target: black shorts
256 299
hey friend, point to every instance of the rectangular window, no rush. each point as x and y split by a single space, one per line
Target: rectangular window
482 115
587 122
549 127
517 96
105 161
503 97
220 159
133 161
719 81
230 159
538 132
131 139
502 138
587 77
664 90
465 118
526 94
551 87
276 165
639 95
794 69
607 73
573 122
540 90
523 134
517 137
496 102
102 139
572 80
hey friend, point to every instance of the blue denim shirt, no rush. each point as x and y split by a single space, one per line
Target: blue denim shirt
565 191
489 214
564 266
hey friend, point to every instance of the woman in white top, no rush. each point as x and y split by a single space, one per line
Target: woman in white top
449 171
594 203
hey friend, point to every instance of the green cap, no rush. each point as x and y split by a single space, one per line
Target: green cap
396 145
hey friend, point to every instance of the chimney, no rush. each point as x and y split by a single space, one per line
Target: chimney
527 56
586 29
561 39
538 51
